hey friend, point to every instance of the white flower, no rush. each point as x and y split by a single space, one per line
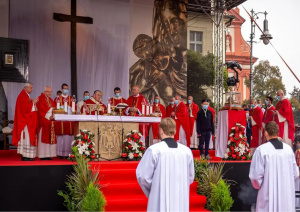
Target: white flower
73 142
87 153
240 145
140 134
238 124
227 150
229 142
226 156
233 128
83 130
141 154
241 136
236 149
78 135
130 155
137 151
135 146
231 134
128 134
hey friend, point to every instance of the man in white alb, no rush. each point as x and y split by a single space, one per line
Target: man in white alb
166 172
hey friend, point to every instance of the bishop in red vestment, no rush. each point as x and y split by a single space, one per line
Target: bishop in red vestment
182 122
46 129
26 124
285 118
171 108
192 112
64 130
256 116
268 115
160 111
95 100
135 108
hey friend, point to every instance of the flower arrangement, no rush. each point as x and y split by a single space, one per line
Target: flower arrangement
133 148
238 148
85 145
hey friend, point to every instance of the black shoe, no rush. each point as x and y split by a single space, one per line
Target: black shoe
27 159
67 157
49 158
45 158
61 157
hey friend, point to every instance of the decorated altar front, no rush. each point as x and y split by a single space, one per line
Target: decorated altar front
112 130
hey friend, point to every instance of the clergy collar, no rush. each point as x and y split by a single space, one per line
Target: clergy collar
117 97
136 95
270 106
63 95
276 143
170 142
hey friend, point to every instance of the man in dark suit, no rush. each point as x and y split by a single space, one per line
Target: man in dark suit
205 127
248 127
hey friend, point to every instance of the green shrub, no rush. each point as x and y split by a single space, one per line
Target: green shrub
79 182
221 199
199 166
94 199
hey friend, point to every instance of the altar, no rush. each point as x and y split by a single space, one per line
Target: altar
110 130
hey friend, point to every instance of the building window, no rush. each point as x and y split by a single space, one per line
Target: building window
196 41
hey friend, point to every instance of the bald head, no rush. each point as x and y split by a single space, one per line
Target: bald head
135 90
48 91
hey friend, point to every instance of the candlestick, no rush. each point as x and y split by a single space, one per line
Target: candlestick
143 109
151 109
147 110
73 107
66 107
108 108
57 105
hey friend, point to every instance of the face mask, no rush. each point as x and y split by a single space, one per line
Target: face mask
247 115
86 97
176 102
156 101
66 91
189 101
253 105
258 105
172 103
117 94
267 102
278 97
205 107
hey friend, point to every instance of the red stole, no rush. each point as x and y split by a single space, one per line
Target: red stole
155 126
257 116
170 108
182 120
194 108
24 116
92 101
284 107
268 115
64 127
48 130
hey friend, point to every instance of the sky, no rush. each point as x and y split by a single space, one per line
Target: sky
283 18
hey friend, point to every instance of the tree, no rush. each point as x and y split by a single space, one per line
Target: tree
200 75
295 93
267 80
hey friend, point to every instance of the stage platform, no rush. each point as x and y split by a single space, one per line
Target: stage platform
33 185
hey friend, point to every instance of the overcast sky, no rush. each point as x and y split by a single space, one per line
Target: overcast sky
284 18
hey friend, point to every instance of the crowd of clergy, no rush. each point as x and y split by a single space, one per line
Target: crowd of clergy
37 134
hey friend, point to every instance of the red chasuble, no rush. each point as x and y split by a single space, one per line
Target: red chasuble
114 101
170 108
182 119
212 110
268 115
24 116
48 130
64 127
92 101
157 108
137 103
284 108
194 108
257 116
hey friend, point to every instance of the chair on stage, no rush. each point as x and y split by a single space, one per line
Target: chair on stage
6 132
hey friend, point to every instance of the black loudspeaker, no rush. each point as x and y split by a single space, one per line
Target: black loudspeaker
13 60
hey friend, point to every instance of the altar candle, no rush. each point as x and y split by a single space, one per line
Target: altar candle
108 108
151 109
147 110
66 107
57 105
143 109
73 107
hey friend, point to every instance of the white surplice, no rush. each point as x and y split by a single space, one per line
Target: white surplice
165 175
273 172
46 150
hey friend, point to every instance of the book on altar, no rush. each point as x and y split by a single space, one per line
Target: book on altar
121 105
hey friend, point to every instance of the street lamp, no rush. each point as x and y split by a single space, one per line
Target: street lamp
265 37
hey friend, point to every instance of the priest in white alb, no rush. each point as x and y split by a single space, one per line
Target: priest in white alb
166 172
273 172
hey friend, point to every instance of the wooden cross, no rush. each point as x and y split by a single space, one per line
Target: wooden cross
74 20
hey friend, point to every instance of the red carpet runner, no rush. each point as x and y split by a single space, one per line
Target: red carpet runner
122 191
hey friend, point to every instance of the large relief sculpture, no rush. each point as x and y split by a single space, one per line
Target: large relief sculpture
162 67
